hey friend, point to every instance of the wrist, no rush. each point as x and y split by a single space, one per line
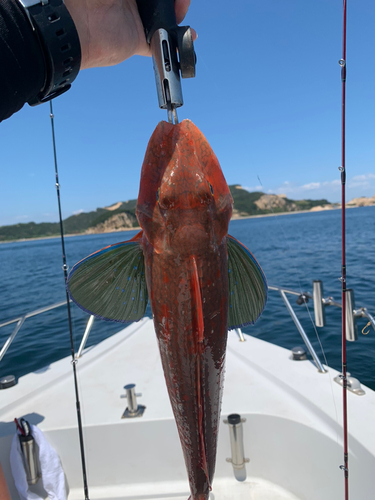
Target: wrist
55 31
87 19
80 19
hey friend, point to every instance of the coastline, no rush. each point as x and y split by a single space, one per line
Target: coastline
22 240
139 228
287 213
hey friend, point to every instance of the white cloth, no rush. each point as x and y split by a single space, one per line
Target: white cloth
52 472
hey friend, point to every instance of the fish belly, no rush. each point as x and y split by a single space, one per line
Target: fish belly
189 300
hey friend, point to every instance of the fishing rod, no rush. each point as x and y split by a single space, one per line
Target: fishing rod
342 168
65 269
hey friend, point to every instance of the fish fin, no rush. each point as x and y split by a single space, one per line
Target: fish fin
111 283
200 348
247 286
198 300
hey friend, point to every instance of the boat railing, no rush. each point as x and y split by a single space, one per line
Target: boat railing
20 320
320 303
302 298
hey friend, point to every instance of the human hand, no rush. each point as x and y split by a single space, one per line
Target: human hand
111 31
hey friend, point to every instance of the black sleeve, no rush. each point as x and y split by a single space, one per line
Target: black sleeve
22 65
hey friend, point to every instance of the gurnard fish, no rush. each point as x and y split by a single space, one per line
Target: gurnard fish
199 280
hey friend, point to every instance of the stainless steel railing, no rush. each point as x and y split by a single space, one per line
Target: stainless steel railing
302 332
319 310
21 319
320 303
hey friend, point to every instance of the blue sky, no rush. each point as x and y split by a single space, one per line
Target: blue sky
267 96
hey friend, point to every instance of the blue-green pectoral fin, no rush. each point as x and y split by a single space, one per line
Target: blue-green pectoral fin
111 283
247 286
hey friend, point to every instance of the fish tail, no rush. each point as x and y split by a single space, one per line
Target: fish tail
200 347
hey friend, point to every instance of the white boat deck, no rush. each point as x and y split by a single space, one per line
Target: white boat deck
292 432
251 489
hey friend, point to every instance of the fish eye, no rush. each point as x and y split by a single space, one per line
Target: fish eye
211 188
158 195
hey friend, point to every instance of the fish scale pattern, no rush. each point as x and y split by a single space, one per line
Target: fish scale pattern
201 366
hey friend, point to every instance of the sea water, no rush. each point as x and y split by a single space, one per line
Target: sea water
292 249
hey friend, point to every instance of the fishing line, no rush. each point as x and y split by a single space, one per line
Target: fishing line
297 271
297 274
65 269
329 372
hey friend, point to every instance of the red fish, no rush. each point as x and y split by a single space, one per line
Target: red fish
200 282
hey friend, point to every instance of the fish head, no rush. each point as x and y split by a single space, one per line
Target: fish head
184 201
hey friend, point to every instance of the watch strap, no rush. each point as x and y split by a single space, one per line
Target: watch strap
59 39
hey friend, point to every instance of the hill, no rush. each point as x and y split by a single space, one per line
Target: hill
85 222
121 215
247 203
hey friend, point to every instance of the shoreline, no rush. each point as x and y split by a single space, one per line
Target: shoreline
22 240
286 213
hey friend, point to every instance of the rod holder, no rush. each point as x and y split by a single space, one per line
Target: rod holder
30 459
238 459
319 306
350 316
133 409
306 340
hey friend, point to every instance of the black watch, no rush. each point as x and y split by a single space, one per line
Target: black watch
59 40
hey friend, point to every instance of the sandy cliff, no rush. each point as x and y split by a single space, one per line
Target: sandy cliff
363 201
272 201
118 222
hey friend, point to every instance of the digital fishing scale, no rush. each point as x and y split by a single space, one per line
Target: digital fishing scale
172 50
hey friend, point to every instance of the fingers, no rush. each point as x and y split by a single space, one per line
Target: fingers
181 7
